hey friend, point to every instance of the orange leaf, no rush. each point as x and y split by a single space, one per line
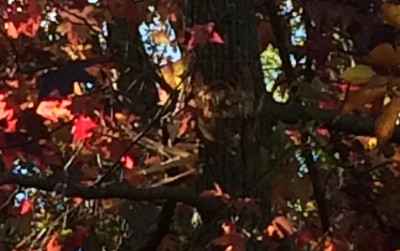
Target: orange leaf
280 227
216 192
54 109
391 13
53 244
7 115
26 206
384 54
386 123
160 37
231 239
358 98
231 242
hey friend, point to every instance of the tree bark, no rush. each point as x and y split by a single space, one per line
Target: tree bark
232 152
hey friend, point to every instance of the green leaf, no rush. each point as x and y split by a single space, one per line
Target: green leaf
358 74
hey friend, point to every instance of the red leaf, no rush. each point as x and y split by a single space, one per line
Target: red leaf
128 162
304 236
231 239
83 126
26 206
280 227
7 114
76 239
216 38
231 242
323 131
203 33
24 23
53 244
328 105
76 200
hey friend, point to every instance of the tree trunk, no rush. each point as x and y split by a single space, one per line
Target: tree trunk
232 149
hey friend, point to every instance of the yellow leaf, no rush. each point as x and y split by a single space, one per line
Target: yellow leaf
358 74
78 89
163 96
160 37
391 13
78 25
358 98
384 54
172 73
386 123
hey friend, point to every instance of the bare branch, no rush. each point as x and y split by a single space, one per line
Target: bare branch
122 190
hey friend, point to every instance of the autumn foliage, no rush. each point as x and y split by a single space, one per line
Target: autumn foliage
104 116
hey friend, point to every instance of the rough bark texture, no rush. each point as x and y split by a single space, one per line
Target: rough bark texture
232 156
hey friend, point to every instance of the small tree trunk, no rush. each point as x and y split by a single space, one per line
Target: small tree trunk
232 141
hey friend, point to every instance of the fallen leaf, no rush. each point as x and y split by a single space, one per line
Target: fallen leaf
358 74
386 123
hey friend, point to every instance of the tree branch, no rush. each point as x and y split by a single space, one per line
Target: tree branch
207 206
349 124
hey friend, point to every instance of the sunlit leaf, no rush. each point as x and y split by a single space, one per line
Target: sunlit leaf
391 13
55 109
387 121
26 206
280 227
358 98
78 24
8 119
160 37
128 162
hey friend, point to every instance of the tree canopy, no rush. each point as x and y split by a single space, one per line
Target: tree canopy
199 125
